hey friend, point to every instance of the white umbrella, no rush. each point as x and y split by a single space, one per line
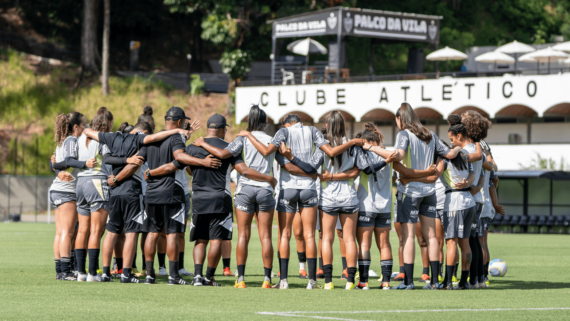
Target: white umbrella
446 54
545 55
564 46
567 61
495 57
307 46
515 47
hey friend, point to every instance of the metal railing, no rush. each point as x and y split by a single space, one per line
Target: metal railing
24 196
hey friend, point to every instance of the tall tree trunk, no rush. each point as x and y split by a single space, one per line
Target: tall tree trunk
89 36
106 34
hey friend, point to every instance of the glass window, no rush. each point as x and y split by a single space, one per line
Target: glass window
513 210
538 191
559 192
511 191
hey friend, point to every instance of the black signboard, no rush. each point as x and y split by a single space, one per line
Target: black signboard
317 24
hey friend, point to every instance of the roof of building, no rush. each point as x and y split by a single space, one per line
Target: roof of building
554 175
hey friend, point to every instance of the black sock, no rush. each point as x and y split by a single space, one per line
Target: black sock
143 262
73 264
119 263
267 272
312 265
127 272
486 269
227 262
328 269
409 271
343 263
302 256
449 274
279 260
473 269
80 257
241 272
93 260
180 260
441 269
65 265
284 268
386 269
107 270
162 260
351 272
363 268
425 270
434 271
321 263
173 267
135 261
464 275
149 268
480 265
402 270
455 269
198 268
210 271
57 265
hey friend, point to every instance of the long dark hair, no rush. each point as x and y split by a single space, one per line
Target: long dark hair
335 131
371 134
100 122
477 126
146 116
64 125
456 127
257 119
411 122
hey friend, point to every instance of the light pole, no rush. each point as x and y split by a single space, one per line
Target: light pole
189 57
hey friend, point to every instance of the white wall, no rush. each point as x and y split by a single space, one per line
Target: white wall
511 157
550 133
499 133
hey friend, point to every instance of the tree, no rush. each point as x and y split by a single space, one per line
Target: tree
106 35
89 53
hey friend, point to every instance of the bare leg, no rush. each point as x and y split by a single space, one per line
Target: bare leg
214 253
150 243
108 246
264 228
308 218
298 232
172 249
428 230
129 249
383 242
364 238
327 227
423 246
83 232
98 220
348 222
244 220
440 238
285 225
199 252
58 232
67 217
398 228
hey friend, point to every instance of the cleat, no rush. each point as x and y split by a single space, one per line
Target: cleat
381 278
266 285
183 272
410 287
312 285
303 274
400 286
276 285
320 274
487 281
283 285
100 271
240 285
349 286
228 272
482 282
273 275
440 279
431 287
344 274
81 277
400 277
68 277
454 280
425 278
236 273
150 279
210 282
58 276
198 280
362 286
116 273
106 278
385 286
135 271
462 287
130 279
329 286
177 281
94 278
446 287
162 271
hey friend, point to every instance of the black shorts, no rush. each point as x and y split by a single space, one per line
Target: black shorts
409 208
165 217
371 219
126 212
211 227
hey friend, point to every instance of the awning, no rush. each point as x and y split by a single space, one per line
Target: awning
554 175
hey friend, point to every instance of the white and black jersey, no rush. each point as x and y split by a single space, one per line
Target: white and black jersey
68 148
164 189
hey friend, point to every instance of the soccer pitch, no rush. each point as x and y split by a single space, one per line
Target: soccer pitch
537 286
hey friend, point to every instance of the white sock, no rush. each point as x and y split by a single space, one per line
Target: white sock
302 265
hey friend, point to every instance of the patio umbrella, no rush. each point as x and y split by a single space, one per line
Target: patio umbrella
545 55
564 46
495 57
446 54
307 46
515 48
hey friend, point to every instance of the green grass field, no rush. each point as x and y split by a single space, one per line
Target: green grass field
538 277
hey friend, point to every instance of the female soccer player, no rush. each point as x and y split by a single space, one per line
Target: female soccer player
62 194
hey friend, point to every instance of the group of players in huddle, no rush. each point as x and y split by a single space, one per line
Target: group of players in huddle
134 181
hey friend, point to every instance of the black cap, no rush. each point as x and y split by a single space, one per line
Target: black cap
217 121
176 113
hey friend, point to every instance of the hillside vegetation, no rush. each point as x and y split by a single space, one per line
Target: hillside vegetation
32 94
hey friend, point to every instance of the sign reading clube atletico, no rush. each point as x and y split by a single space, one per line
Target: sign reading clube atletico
360 23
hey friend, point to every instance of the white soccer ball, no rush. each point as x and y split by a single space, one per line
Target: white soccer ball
497 267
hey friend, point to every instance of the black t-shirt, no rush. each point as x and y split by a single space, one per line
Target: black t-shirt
164 189
209 192
125 145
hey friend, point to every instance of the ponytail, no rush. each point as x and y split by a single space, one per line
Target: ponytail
64 125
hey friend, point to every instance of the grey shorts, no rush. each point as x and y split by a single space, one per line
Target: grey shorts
57 198
188 206
409 208
370 219
251 199
336 210
293 200
92 194
476 219
484 223
439 215
456 223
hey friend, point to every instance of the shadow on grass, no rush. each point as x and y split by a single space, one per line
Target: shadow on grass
506 284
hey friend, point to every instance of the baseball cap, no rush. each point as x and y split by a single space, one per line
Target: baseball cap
217 121
176 113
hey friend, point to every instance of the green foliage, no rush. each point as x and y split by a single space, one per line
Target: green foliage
219 30
546 163
235 63
196 85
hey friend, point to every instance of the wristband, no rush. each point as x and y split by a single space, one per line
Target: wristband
114 180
